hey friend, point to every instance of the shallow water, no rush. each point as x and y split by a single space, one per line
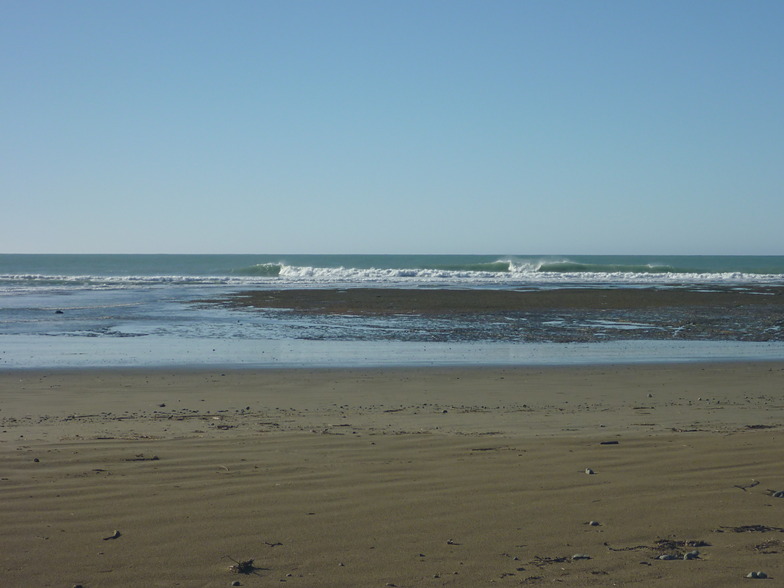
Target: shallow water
33 352
101 311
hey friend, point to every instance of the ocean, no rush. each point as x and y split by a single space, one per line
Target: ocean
76 311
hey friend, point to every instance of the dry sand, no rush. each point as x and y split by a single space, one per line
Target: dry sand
407 477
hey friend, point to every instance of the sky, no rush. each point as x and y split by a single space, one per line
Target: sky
392 126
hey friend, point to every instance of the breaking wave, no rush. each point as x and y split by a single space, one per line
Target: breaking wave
399 271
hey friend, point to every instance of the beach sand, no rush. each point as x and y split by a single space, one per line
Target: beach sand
393 477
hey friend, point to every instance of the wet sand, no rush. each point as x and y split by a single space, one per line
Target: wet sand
380 301
561 315
404 477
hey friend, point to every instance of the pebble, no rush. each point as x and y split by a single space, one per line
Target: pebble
581 556
757 575
779 494
589 471
236 583
692 555
667 557
593 523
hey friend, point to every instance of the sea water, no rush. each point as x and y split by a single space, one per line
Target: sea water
281 271
149 310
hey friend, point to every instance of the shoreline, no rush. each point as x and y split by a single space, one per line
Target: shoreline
198 368
201 368
159 352
459 328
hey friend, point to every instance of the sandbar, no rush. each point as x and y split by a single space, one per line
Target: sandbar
382 301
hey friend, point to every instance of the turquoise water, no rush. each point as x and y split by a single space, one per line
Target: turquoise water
141 310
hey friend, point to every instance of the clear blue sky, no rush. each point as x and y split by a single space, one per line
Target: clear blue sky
392 126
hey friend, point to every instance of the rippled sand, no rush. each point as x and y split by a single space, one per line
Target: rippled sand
405 477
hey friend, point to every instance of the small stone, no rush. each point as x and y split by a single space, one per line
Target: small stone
779 494
667 557
581 556
692 555
236 583
36 460
757 575
593 523
589 471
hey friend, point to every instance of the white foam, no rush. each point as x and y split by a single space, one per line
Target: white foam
519 275
526 274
